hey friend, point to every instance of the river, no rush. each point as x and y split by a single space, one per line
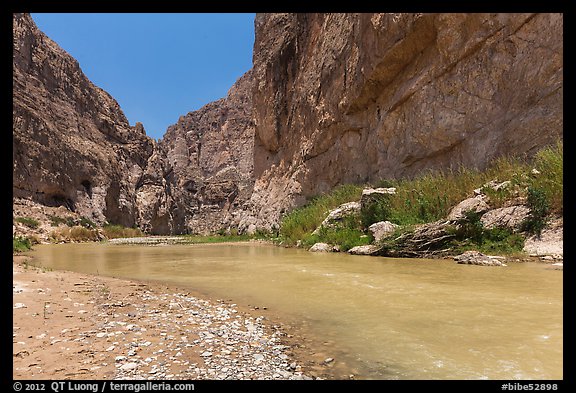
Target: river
383 318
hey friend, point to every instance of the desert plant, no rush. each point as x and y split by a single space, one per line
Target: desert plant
112 231
28 221
79 233
539 206
20 244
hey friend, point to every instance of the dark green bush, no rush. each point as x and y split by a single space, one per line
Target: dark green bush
374 210
539 209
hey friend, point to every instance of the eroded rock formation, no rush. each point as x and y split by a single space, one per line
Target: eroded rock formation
331 99
72 145
200 176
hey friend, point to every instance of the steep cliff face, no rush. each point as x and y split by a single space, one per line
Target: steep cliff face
72 145
200 176
331 99
341 98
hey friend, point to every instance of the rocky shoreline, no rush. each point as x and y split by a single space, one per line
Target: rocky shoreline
75 326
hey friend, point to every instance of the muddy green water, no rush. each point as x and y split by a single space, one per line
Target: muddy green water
384 318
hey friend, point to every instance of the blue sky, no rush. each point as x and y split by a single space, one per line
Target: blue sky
157 66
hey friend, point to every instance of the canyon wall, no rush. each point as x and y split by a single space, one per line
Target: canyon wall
200 176
73 147
331 99
341 98
71 144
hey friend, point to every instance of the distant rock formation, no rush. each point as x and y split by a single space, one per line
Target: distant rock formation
200 175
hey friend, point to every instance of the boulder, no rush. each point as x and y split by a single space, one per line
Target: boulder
475 204
506 217
550 241
477 258
382 229
369 249
336 215
324 247
370 195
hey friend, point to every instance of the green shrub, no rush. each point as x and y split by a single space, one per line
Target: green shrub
346 238
375 209
87 223
302 221
470 227
539 209
55 221
29 222
20 244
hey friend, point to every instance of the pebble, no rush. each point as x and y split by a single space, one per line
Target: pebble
231 345
128 366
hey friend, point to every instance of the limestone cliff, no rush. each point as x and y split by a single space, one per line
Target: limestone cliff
331 99
341 98
200 176
72 145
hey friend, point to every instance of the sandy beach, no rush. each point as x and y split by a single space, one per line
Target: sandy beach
68 325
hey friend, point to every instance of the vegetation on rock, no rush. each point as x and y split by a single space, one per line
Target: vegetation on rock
536 183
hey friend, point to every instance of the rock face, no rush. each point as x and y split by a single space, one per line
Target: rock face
342 98
331 99
72 145
200 175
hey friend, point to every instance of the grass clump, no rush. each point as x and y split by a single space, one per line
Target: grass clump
112 231
472 235
28 221
300 223
20 244
549 162
218 238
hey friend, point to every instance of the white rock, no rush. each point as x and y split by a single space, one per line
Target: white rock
322 247
380 229
128 366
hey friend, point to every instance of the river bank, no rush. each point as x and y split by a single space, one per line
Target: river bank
68 325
